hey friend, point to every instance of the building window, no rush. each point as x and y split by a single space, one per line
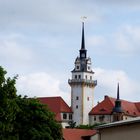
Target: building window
90 77
70 116
77 98
86 76
64 116
101 118
79 76
88 98
76 106
75 76
94 118
88 67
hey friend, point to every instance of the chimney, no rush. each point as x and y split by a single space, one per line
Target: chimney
105 97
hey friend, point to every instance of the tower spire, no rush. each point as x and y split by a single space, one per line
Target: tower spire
118 93
118 107
83 51
118 110
83 38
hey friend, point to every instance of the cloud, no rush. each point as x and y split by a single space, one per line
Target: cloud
13 51
44 13
45 85
127 39
107 84
41 85
96 40
126 2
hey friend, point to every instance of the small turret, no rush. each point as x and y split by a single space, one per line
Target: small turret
118 107
117 110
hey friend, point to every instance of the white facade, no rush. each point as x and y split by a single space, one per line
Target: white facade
82 96
65 119
93 119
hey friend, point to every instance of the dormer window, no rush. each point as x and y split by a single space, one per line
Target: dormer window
70 116
64 116
88 67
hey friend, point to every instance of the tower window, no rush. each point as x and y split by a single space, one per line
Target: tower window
77 98
75 76
79 76
64 116
77 67
76 106
88 67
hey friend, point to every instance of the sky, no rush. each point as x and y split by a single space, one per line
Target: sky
40 39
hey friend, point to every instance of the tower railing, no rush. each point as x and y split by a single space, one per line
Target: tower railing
72 81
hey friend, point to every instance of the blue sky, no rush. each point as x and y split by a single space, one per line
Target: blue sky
39 40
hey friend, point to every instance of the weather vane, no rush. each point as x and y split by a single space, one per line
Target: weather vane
118 79
83 18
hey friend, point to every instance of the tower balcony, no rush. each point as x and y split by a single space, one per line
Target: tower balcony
82 81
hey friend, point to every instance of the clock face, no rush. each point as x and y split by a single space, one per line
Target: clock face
83 55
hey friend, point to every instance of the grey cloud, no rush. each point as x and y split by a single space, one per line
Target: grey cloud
17 13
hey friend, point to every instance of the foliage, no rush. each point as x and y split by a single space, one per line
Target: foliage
72 124
22 118
89 126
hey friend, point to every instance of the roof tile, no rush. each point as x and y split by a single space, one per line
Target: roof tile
77 134
56 105
107 105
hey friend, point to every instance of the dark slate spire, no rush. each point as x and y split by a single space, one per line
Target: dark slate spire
118 94
83 51
83 38
118 107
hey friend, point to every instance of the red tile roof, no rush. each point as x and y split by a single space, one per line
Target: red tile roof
77 134
107 105
56 105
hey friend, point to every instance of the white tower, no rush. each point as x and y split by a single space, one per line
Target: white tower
82 86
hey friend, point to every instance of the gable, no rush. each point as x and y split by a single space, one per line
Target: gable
107 105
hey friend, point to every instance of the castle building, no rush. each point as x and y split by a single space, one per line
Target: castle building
82 86
114 109
83 110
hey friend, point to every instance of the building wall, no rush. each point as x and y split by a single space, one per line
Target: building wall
65 119
64 124
94 137
100 119
124 132
76 103
106 118
88 97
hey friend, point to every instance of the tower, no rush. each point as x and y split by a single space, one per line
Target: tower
117 110
82 85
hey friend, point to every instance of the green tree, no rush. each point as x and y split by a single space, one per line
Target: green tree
89 126
23 118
